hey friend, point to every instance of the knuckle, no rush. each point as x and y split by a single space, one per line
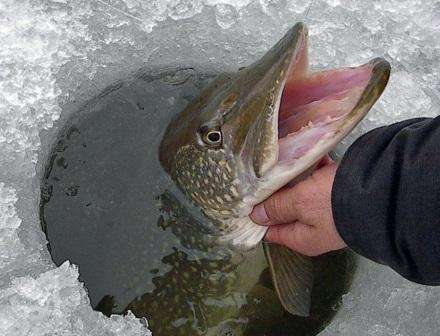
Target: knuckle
275 235
295 239
275 209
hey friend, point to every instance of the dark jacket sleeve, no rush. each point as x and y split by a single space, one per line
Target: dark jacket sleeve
386 198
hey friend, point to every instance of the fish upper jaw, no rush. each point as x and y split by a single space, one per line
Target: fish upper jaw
264 90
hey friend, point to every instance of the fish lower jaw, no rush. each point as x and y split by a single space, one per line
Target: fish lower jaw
304 150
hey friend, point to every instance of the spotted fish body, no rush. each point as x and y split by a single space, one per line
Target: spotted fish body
211 180
246 136
204 291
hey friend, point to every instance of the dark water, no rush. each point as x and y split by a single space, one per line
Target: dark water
108 207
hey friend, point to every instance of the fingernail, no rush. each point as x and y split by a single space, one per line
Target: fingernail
259 215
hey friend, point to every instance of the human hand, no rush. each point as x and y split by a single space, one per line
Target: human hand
300 217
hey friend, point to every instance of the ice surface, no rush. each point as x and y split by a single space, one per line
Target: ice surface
55 303
57 54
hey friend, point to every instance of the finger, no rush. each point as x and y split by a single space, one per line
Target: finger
281 207
297 236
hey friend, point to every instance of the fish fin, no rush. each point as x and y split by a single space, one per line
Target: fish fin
292 276
246 235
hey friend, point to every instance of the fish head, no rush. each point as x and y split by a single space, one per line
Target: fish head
249 134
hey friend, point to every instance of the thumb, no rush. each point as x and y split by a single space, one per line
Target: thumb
281 207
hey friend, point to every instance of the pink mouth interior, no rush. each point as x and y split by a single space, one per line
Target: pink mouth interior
312 105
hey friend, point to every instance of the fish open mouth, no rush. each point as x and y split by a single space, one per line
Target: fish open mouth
316 104
317 109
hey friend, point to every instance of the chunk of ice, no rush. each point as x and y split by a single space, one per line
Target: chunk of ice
56 303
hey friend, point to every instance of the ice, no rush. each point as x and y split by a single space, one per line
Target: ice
54 303
226 15
57 54
381 303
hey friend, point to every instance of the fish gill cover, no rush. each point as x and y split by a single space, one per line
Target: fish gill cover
57 54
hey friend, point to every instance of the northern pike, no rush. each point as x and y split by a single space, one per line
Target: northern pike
246 136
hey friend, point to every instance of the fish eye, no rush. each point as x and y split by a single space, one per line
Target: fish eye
211 136
214 137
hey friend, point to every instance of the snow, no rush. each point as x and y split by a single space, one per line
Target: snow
57 54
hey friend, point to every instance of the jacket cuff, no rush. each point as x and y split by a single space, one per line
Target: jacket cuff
353 209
